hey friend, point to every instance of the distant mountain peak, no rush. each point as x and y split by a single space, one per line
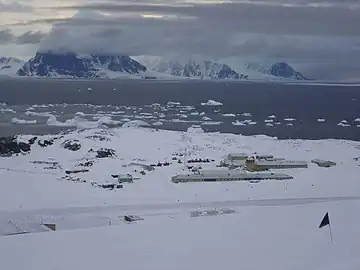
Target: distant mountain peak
69 64
192 68
280 69
284 70
9 60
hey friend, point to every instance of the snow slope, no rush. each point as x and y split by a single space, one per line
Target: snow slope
190 68
10 65
269 71
277 220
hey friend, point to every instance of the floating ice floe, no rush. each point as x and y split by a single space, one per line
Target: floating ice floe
43 105
40 114
77 122
205 118
211 123
357 120
321 120
268 120
269 125
272 116
289 124
238 123
194 113
211 102
135 124
7 110
343 121
202 114
106 120
22 121
229 115
342 124
158 123
246 114
173 103
178 120
289 119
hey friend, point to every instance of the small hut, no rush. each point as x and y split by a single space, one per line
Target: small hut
323 163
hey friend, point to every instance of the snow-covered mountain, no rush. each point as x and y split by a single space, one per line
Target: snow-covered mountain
10 65
49 64
203 69
281 70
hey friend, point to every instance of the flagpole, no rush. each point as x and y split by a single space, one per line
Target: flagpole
331 237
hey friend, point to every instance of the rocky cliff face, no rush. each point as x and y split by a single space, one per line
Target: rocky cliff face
79 66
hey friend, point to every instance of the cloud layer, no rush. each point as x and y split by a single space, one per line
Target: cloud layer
310 33
29 37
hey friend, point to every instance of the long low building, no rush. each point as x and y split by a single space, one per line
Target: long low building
220 176
260 165
323 163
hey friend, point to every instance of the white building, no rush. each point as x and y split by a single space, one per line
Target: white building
234 160
125 178
275 164
226 175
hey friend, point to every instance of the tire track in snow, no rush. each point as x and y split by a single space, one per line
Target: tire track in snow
173 206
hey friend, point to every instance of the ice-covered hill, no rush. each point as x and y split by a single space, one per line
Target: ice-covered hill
280 70
191 68
276 220
48 64
10 65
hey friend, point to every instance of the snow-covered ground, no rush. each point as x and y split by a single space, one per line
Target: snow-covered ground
275 224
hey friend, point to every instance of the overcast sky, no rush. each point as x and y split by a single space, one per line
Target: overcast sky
321 38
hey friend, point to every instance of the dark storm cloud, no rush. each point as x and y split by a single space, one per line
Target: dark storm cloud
15 7
29 37
318 33
270 19
6 36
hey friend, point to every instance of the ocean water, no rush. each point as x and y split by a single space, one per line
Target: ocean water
282 110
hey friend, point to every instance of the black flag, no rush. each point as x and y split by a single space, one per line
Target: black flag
325 221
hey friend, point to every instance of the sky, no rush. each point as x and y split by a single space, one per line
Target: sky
320 38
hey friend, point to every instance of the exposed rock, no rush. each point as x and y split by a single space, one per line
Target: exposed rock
45 143
111 186
76 171
98 137
89 163
73 179
105 152
32 140
72 145
52 64
9 146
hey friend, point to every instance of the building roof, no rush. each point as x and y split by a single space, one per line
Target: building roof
280 162
230 174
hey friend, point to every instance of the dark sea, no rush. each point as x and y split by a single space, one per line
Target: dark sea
42 106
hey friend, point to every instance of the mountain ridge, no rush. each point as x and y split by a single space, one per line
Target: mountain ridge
191 68
110 66
49 64
279 69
